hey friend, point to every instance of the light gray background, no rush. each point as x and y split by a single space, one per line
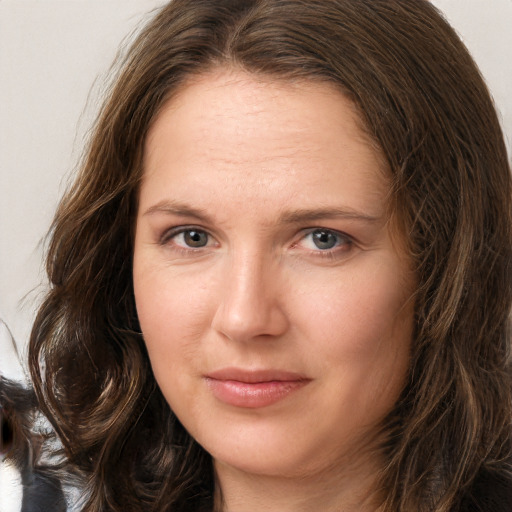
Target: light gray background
54 58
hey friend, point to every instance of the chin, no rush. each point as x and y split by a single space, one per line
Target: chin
272 452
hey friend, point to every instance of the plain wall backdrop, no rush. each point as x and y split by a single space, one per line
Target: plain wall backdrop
54 58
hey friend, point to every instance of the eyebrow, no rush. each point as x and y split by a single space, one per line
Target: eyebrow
305 215
177 208
291 217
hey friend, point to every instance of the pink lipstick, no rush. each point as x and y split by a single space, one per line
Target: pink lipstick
253 389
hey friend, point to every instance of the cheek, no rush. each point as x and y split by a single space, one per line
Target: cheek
169 298
172 314
174 311
361 328
359 309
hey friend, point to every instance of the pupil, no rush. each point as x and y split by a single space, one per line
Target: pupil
324 239
195 238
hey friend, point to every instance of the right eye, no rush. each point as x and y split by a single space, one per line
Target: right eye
188 238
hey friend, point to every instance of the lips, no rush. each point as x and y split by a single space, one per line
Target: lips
253 388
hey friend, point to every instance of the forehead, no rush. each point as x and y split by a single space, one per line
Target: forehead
228 92
266 136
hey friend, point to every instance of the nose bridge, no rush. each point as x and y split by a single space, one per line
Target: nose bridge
249 304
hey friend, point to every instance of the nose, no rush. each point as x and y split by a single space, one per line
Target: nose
250 305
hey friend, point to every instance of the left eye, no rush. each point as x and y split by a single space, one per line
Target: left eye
325 239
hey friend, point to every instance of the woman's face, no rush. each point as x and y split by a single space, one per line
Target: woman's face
275 307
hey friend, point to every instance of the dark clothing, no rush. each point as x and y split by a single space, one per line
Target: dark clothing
42 493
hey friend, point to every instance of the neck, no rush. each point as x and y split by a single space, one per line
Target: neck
329 491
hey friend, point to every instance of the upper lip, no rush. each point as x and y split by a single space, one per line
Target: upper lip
255 376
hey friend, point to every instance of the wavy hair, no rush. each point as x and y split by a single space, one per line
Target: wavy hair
424 103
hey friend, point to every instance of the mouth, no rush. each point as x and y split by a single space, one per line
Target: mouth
253 388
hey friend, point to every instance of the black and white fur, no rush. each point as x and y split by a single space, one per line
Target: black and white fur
26 485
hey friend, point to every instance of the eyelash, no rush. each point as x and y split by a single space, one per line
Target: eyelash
344 242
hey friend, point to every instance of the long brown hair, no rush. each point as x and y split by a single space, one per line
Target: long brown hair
424 103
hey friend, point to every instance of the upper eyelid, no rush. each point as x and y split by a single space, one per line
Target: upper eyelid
167 234
341 234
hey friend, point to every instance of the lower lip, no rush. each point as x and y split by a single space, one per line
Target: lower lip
253 395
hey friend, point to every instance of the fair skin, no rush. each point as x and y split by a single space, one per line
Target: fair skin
274 302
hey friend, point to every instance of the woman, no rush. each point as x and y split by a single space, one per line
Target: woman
281 280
